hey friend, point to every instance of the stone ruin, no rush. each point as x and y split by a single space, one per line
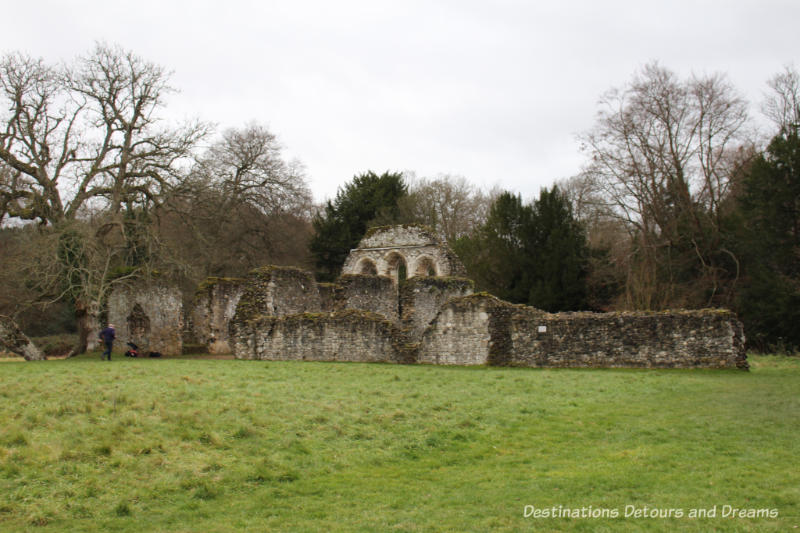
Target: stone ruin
402 298
403 251
148 314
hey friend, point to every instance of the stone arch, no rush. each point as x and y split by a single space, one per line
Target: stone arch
426 266
396 267
367 267
138 324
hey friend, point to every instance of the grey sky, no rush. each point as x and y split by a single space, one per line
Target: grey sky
492 91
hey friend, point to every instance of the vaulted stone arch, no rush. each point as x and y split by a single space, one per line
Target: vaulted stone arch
396 266
425 266
423 253
367 267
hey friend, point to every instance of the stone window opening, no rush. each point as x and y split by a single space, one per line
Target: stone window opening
426 267
367 267
138 324
397 267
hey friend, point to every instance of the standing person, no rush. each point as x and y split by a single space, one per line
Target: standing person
107 336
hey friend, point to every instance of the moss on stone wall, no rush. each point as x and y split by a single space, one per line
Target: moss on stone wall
425 231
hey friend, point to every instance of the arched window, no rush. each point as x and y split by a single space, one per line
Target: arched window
397 268
425 267
367 267
138 324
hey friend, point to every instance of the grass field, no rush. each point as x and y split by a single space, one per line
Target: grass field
226 445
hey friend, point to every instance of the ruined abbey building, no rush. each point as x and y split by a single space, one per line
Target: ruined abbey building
403 298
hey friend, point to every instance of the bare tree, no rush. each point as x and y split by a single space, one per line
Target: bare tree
244 205
449 204
782 105
663 151
84 139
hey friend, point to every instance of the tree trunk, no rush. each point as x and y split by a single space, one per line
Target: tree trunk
12 338
88 328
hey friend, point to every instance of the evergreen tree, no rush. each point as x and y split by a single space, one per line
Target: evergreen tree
342 224
769 302
560 259
534 254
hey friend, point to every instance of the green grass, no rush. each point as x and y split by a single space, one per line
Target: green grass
225 445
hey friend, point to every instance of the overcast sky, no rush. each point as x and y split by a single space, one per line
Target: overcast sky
492 91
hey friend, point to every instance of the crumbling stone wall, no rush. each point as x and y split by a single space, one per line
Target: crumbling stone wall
417 250
275 291
708 338
214 307
421 298
460 333
278 291
376 294
481 329
348 335
329 296
149 314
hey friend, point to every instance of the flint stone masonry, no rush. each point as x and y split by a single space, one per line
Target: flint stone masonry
329 294
707 338
481 329
421 298
278 291
387 251
460 334
214 306
376 294
149 314
283 314
348 335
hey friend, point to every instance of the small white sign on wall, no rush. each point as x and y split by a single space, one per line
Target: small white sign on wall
542 329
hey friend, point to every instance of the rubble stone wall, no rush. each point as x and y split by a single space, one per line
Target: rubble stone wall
149 314
481 329
348 335
709 338
376 294
214 307
421 298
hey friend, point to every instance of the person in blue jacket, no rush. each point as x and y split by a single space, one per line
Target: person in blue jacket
107 336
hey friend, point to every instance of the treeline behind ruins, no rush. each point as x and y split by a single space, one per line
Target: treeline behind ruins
680 204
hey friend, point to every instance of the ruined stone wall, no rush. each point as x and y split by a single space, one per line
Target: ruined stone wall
348 335
329 296
149 314
481 329
376 294
421 298
460 333
382 250
278 291
214 307
709 338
